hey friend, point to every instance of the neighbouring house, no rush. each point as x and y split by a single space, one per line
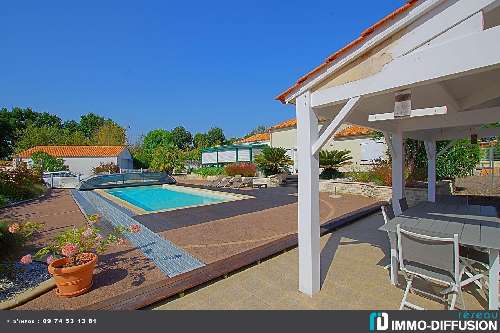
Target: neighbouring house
357 139
221 155
259 138
82 159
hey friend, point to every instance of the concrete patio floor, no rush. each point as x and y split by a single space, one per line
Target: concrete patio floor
352 273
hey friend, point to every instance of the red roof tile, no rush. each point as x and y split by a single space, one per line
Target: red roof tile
256 138
285 124
75 151
353 131
361 39
346 132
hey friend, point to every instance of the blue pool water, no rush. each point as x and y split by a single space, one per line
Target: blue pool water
152 198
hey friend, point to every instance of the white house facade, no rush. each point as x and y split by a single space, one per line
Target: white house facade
81 160
365 150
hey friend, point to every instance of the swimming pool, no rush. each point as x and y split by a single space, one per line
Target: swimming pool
147 199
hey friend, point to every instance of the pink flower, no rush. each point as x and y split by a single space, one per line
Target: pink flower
69 250
88 233
134 228
50 259
120 241
26 260
13 228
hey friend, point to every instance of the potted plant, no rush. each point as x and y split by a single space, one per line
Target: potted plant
72 256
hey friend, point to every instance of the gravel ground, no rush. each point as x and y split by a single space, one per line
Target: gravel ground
27 277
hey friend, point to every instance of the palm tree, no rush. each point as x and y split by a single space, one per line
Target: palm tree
332 160
273 160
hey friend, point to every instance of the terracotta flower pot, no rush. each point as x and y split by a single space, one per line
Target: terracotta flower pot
75 280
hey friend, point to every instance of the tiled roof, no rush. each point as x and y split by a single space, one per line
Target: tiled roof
361 39
346 132
256 138
75 151
353 131
285 124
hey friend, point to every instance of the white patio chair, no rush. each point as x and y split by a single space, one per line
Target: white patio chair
434 259
388 214
476 262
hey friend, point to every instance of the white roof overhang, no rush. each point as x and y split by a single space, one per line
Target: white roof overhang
461 74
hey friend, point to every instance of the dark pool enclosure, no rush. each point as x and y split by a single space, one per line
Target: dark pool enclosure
125 180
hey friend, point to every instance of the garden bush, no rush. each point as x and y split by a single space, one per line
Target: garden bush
14 235
47 163
209 171
21 183
3 200
243 169
331 161
106 168
273 160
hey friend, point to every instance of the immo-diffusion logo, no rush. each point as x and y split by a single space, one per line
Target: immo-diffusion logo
379 321
466 321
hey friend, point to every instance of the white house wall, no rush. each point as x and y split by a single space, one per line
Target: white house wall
125 160
84 165
287 138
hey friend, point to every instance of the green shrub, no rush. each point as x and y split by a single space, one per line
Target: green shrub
209 171
3 200
47 163
273 160
331 161
167 159
14 235
243 169
21 183
106 168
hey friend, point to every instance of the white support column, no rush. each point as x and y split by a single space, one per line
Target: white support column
397 171
309 251
430 149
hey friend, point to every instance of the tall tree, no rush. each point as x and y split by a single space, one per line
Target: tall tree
216 136
167 159
156 138
181 137
90 123
71 125
257 130
110 134
200 140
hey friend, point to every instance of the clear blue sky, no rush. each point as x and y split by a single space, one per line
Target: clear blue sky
159 64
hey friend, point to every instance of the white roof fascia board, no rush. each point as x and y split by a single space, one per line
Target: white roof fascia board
478 52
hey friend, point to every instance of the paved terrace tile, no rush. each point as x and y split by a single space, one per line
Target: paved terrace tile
352 275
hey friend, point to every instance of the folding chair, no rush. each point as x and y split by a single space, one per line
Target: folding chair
403 204
388 214
434 259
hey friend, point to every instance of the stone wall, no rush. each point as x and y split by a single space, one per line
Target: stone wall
413 194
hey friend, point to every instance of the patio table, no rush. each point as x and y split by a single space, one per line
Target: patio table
475 225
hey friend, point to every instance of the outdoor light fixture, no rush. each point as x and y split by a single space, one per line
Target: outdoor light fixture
402 104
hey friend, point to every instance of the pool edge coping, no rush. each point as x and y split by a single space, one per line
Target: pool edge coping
230 197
